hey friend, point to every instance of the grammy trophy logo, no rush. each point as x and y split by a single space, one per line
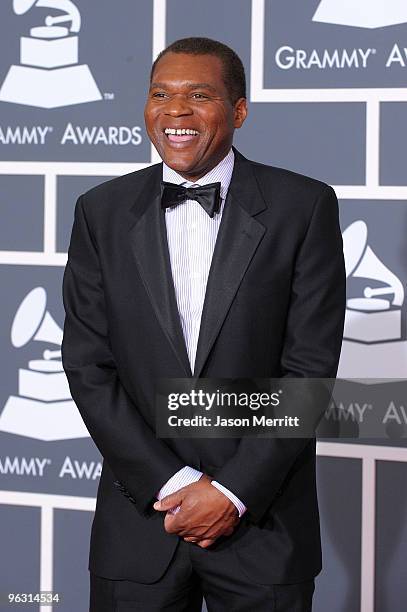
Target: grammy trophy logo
49 75
374 343
43 408
362 13
375 316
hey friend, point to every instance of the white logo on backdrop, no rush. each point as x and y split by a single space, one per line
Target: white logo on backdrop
373 345
49 75
43 408
362 13
370 318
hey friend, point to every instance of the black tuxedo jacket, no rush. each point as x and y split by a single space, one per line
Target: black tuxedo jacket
274 306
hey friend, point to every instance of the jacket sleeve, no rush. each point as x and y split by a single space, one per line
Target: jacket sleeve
255 473
140 461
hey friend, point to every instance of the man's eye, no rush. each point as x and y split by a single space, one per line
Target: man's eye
159 94
199 96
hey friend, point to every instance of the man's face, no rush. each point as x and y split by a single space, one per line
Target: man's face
187 92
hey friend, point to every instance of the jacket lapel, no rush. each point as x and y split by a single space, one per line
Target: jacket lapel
238 238
148 238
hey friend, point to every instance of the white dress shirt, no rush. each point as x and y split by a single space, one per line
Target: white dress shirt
191 235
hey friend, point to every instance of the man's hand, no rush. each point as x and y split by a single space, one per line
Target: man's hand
205 513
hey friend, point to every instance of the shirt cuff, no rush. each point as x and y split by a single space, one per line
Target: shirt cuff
241 508
185 476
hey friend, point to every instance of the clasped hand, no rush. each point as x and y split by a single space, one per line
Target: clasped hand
205 513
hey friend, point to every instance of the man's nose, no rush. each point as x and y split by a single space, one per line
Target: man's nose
178 106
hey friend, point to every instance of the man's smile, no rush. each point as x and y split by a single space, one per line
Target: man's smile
177 135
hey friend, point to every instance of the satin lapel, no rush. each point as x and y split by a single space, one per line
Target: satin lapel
148 239
238 238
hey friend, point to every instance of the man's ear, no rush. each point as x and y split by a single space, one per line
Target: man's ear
240 110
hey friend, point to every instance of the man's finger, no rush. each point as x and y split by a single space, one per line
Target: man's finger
168 502
191 539
206 543
174 523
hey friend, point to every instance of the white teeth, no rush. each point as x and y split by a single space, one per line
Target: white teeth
180 132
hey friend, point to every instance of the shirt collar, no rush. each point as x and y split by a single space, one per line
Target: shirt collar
221 173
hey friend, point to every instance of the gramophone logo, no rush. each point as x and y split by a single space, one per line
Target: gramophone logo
49 75
43 408
376 316
373 333
362 13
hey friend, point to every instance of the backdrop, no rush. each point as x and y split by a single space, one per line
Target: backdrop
326 98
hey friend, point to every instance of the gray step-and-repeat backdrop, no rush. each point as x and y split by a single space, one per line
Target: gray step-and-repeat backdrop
327 98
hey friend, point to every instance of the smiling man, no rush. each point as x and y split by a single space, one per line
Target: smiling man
193 108
205 265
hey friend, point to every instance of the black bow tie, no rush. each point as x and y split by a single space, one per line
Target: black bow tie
208 196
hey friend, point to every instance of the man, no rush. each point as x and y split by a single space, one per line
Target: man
239 279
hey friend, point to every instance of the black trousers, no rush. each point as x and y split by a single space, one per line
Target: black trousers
195 573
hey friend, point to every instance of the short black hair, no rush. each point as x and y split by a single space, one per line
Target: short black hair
233 70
